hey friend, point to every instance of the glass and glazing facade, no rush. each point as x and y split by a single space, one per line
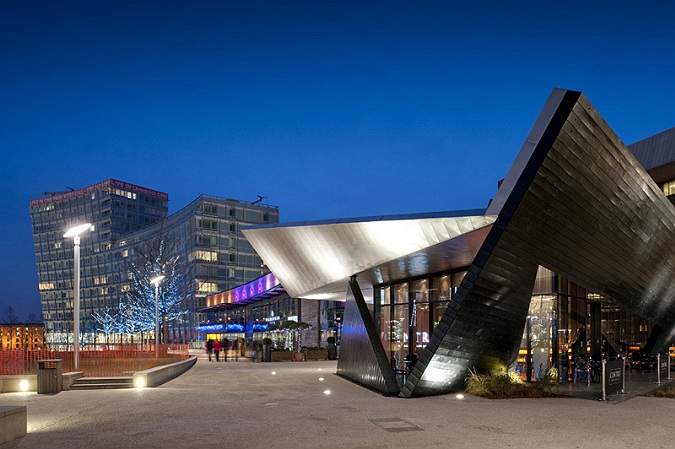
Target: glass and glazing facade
568 324
565 322
206 233
406 313
114 208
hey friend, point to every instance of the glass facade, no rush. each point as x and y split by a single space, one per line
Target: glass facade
407 313
114 208
207 233
255 320
565 323
569 327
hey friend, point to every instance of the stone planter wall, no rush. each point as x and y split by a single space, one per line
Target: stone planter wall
316 354
282 356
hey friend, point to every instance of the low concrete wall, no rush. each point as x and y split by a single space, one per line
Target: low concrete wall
155 377
12 384
13 423
70 378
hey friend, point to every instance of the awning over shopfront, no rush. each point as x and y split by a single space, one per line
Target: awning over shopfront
258 289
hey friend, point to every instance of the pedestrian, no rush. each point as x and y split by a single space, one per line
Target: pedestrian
235 347
209 348
225 344
254 351
216 350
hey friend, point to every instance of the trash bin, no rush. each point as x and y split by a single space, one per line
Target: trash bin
49 376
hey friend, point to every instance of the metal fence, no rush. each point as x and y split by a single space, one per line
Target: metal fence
95 361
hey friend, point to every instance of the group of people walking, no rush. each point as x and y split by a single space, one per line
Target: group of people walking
213 347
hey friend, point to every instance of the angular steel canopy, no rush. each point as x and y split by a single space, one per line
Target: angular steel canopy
575 201
314 260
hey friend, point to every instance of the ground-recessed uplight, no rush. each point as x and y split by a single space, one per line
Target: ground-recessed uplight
139 382
23 385
327 392
460 396
320 379
274 373
319 369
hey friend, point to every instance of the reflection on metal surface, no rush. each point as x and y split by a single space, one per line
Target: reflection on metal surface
319 257
577 202
362 357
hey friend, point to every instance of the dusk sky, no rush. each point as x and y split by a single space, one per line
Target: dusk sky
329 108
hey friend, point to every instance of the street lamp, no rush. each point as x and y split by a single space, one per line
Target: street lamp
75 232
155 281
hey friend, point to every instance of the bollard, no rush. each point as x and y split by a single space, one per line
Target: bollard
658 368
604 388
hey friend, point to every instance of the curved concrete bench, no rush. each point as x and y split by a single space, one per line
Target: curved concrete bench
155 377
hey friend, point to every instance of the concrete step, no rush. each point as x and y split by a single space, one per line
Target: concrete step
102 383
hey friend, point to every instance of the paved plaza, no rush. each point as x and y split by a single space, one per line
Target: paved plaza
288 405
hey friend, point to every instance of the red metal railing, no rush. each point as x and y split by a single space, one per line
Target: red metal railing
95 361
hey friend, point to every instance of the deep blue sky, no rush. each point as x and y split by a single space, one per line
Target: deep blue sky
329 108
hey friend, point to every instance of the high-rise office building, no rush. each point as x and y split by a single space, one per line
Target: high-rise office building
206 233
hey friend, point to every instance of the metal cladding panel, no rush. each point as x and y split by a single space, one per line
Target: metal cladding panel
362 357
655 150
578 203
312 257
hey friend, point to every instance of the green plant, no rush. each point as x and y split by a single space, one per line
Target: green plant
330 340
509 385
267 341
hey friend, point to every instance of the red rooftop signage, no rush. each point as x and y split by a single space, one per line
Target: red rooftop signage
113 183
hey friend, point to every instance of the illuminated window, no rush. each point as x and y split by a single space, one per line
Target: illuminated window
208 256
208 287
100 280
669 188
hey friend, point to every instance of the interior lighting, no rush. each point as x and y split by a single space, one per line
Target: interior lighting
139 382
23 385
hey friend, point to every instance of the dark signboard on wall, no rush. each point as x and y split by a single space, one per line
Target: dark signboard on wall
614 376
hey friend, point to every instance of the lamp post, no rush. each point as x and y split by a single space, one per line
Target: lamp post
75 232
155 281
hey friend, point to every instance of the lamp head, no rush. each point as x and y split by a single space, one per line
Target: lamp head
157 279
77 230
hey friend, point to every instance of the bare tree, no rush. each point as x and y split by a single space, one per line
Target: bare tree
10 316
33 318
